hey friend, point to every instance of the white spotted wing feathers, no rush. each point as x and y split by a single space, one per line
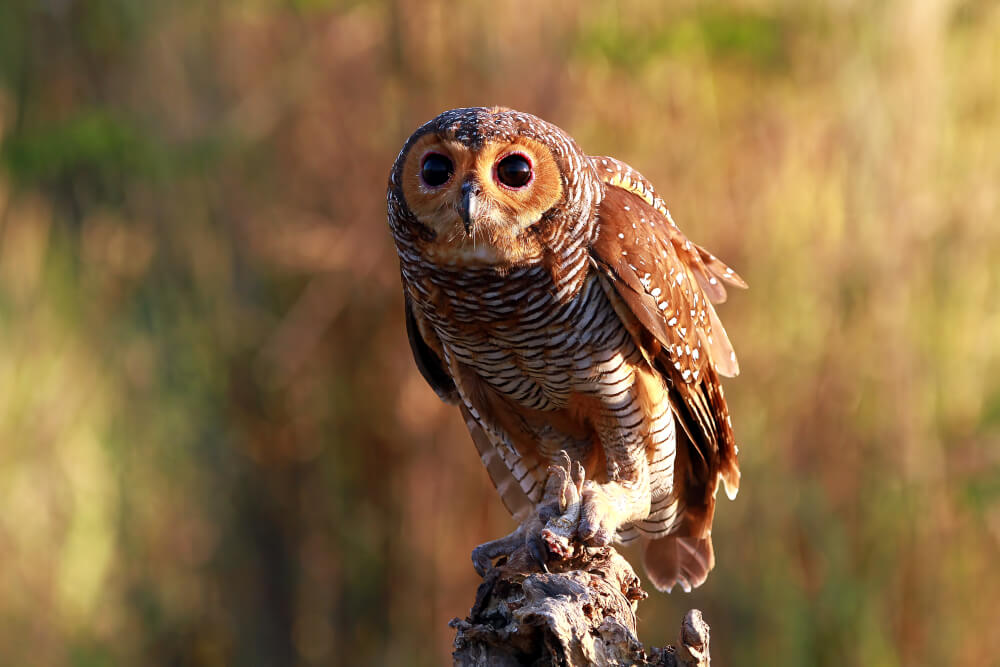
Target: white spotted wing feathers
669 284
676 280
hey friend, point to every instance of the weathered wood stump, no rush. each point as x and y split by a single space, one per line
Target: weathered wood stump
581 612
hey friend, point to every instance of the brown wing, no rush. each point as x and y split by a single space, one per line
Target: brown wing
427 359
683 266
668 284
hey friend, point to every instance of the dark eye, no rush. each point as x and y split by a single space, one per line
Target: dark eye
514 171
437 170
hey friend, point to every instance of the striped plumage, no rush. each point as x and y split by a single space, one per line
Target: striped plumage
568 312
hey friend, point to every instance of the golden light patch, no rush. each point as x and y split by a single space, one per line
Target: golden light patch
637 188
650 388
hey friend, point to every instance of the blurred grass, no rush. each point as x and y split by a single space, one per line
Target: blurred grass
215 448
715 32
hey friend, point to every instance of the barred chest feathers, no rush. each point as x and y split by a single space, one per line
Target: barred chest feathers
526 343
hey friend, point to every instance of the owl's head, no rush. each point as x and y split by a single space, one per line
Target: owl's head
491 186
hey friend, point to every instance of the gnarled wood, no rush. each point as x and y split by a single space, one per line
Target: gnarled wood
581 612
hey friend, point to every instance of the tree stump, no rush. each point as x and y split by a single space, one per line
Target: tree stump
581 612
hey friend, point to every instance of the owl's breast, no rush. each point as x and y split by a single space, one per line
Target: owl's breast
519 339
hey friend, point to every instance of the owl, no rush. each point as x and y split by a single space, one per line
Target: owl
550 296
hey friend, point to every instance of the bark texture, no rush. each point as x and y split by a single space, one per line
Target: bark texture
581 612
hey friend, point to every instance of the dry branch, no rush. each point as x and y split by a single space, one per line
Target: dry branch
581 612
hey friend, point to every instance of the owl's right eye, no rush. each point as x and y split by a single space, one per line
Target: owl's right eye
436 170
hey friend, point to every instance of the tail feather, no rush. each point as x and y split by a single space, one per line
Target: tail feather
684 561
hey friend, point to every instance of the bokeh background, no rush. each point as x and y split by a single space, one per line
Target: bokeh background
215 448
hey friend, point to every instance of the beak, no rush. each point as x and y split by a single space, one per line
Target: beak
470 203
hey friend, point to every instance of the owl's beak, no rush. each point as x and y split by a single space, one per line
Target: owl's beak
470 203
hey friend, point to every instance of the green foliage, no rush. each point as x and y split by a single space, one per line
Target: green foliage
715 32
93 143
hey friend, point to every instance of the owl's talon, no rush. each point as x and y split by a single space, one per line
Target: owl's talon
559 485
559 510
481 562
578 476
536 545
555 499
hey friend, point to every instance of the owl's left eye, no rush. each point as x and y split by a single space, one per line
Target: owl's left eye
514 171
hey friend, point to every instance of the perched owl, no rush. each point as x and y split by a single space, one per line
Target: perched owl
550 296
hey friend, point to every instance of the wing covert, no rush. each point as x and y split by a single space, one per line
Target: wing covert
639 249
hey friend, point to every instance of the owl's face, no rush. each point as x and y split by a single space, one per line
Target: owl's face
481 181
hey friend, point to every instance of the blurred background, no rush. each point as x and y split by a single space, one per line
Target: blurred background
215 448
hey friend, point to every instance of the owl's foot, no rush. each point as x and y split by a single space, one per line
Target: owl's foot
572 515
552 530
527 534
483 555
599 516
584 512
560 509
